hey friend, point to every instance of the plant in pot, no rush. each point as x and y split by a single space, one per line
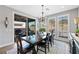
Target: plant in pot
77 32
42 30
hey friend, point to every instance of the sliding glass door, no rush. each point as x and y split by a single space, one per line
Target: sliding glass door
31 26
63 26
52 25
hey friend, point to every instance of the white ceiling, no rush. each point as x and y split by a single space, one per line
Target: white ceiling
35 10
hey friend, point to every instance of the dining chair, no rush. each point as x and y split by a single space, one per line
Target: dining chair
24 46
51 38
43 44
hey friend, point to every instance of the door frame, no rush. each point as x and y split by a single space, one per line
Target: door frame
68 22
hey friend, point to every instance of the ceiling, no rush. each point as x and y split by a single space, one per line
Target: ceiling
36 10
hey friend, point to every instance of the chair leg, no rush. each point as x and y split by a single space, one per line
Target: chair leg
48 48
34 51
17 51
37 48
45 50
51 44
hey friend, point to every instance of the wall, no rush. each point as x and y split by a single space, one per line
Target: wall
78 11
6 34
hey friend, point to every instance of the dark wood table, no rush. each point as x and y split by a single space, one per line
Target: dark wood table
33 39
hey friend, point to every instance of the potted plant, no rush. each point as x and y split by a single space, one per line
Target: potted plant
77 32
42 30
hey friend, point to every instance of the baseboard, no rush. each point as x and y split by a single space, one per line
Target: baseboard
4 45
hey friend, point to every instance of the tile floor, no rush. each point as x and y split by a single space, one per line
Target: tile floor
59 47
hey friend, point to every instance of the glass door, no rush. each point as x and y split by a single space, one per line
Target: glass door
31 26
63 26
52 25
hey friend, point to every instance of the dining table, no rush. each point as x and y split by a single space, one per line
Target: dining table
34 40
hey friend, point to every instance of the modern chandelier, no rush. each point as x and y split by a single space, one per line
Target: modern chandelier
42 18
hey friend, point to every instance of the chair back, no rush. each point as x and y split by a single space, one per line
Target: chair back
47 38
38 36
19 44
52 38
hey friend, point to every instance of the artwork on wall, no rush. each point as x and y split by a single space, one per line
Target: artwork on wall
6 22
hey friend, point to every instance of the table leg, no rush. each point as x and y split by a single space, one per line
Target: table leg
34 51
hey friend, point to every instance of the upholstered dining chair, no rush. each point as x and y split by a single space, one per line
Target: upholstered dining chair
43 44
51 38
23 46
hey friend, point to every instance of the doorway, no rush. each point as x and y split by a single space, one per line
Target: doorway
31 27
20 26
52 25
63 28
